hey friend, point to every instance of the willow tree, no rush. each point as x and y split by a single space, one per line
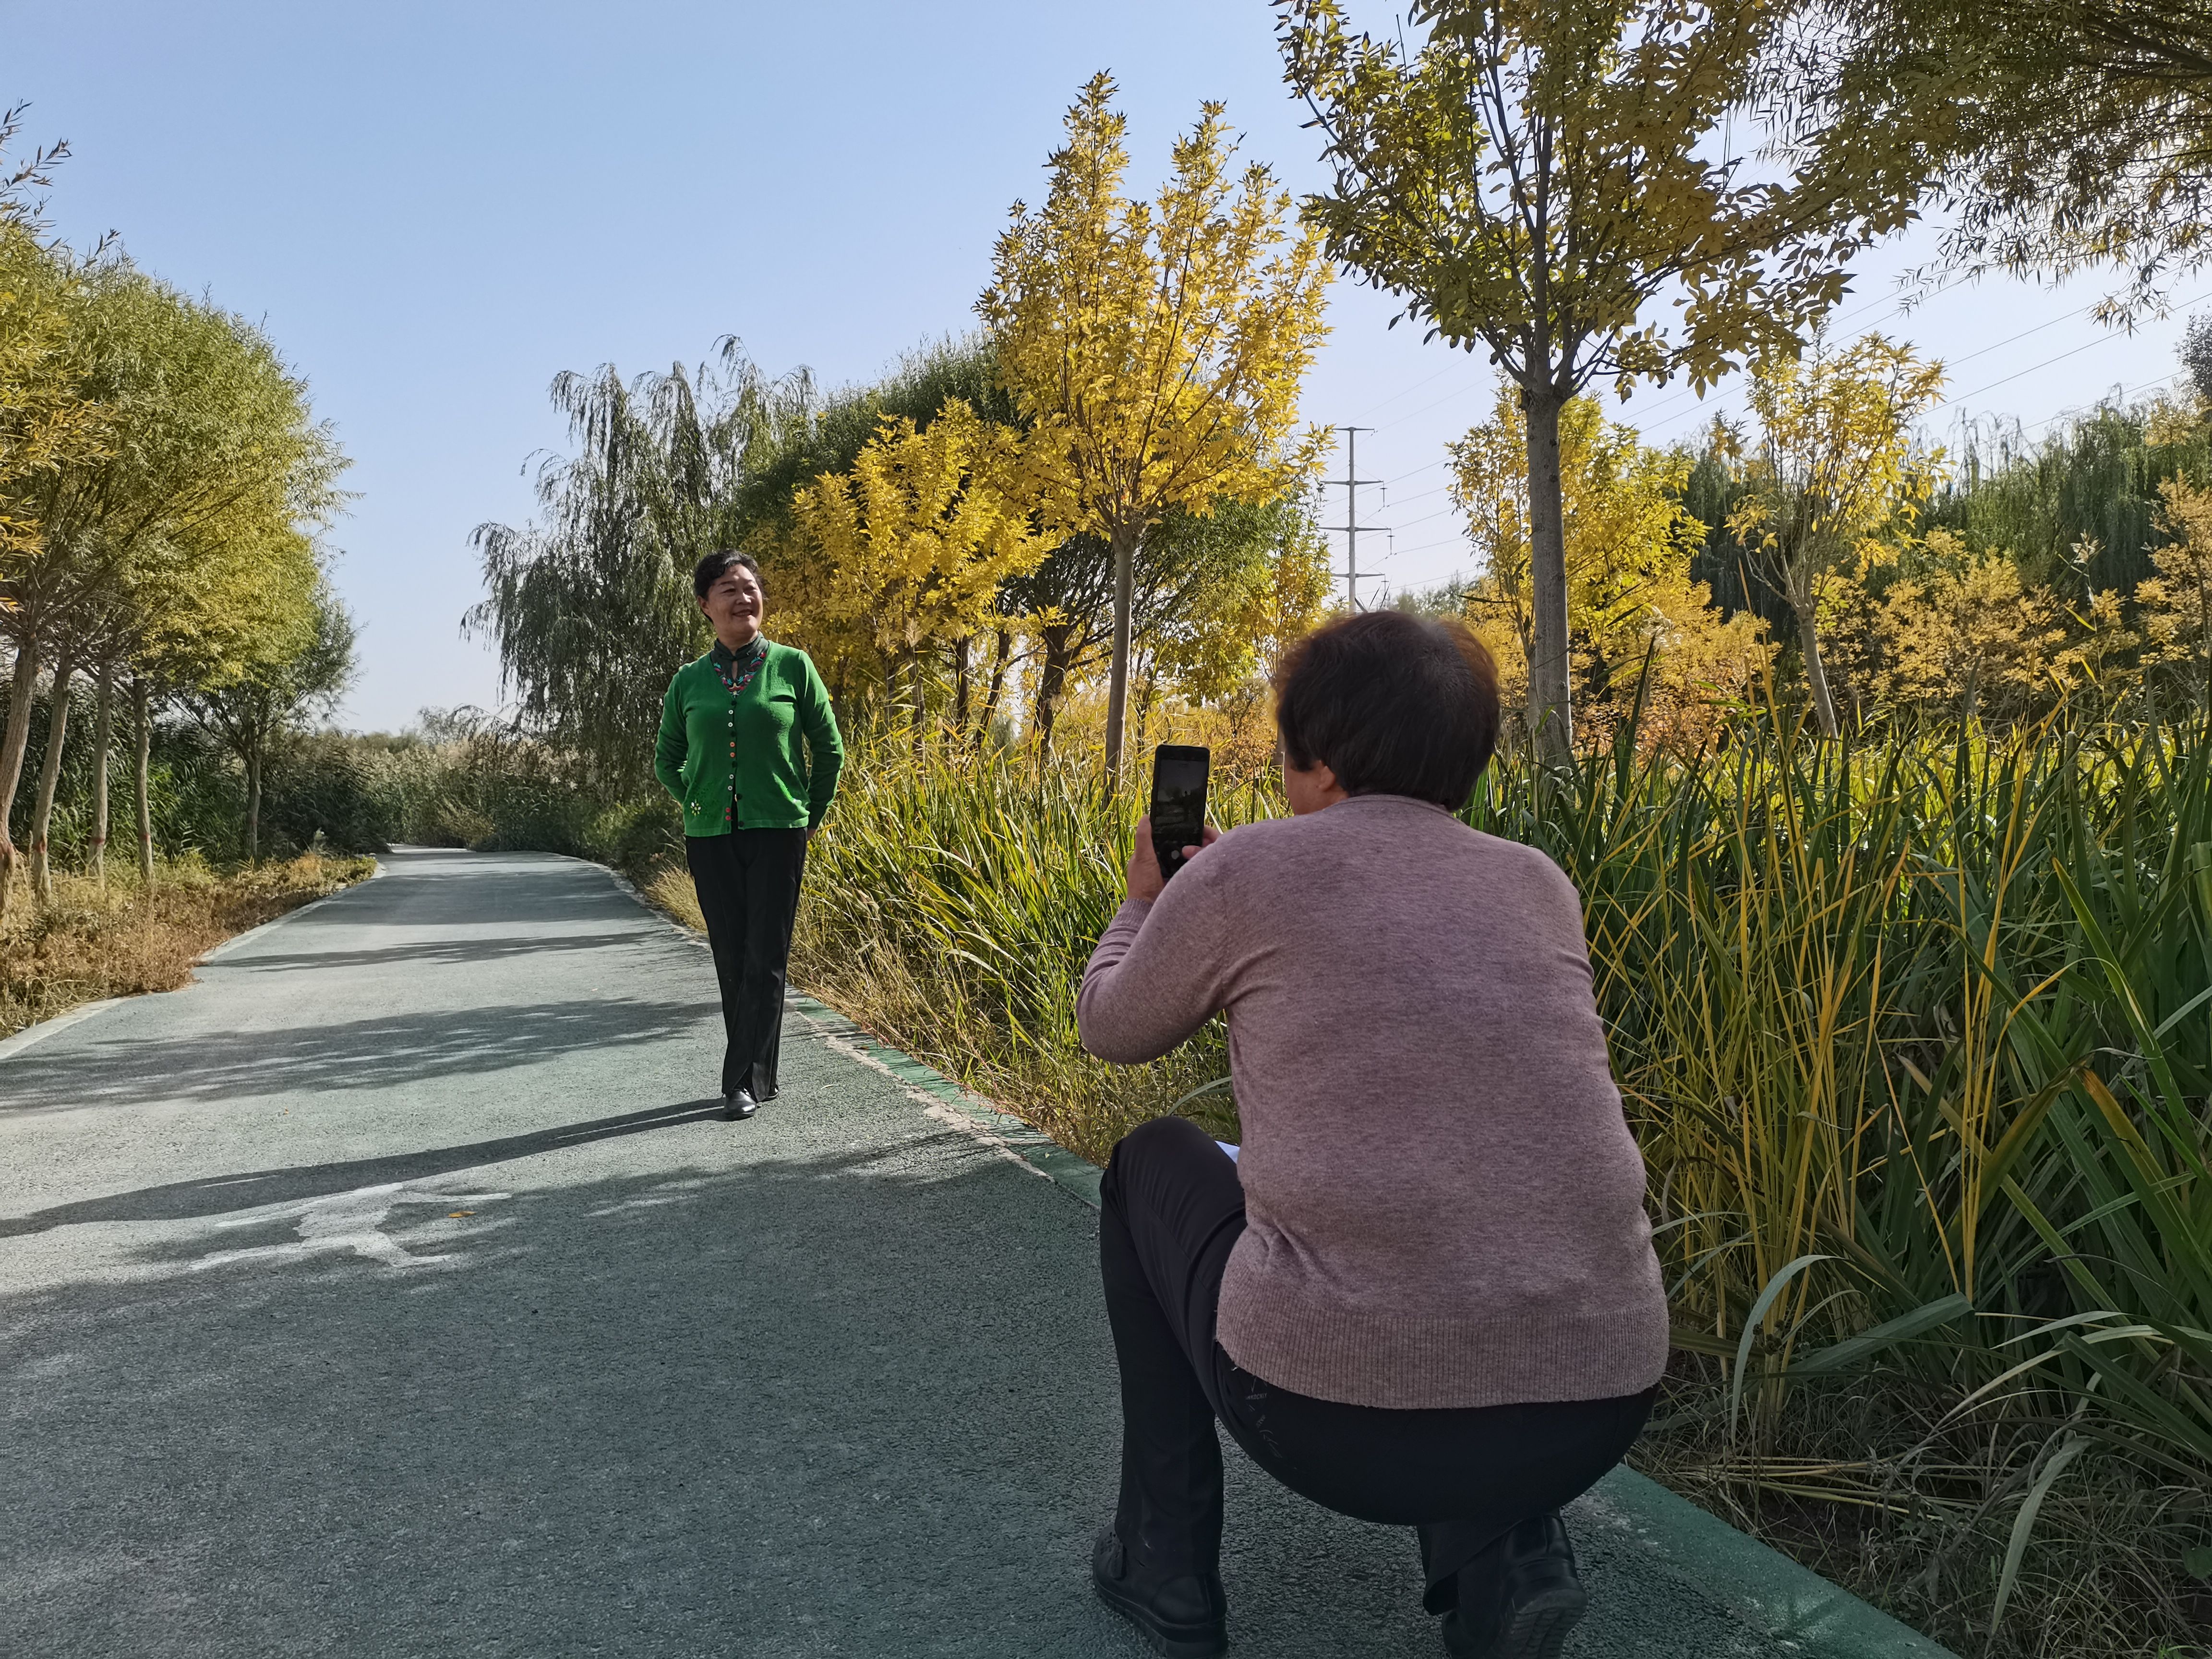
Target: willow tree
1537 173
590 606
1835 460
911 547
1156 349
2060 136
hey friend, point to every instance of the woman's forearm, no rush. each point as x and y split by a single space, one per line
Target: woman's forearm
1152 980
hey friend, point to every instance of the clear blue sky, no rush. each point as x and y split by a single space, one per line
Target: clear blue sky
433 208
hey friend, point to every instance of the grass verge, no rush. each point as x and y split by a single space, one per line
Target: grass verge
91 941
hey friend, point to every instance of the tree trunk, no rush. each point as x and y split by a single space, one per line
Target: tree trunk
14 739
253 800
141 706
1124 546
1551 708
960 685
103 733
1816 670
1057 642
50 777
920 702
998 684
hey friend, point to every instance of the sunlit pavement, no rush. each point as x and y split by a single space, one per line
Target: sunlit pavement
396 1289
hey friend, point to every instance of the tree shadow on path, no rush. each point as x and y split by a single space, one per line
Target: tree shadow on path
180 1201
351 1055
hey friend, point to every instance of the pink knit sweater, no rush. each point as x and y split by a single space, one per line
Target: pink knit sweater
1446 1208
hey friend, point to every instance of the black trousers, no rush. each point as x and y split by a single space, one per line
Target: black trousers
748 886
1172 1209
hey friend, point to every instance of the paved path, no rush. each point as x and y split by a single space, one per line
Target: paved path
393 1291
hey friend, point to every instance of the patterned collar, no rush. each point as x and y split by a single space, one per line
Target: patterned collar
728 661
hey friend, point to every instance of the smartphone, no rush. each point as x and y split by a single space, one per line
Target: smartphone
1179 772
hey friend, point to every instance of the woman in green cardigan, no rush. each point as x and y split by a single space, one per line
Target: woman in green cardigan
730 751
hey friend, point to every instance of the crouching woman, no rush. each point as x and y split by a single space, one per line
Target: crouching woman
1426 1293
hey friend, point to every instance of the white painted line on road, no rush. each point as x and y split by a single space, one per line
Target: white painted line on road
46 1028
342 1221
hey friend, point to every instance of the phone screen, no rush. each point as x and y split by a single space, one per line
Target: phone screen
1178 800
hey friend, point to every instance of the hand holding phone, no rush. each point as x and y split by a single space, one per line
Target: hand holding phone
1178 812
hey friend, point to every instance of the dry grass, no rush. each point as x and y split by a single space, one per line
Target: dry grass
1870 1486
91 942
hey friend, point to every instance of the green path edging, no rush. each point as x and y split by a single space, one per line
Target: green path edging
1077 1174
1791 1605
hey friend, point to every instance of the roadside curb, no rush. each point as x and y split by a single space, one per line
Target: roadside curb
58 1022
224 947
1074 1174
1800 1612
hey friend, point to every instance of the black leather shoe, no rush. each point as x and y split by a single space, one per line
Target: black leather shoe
739 1105
1183 1618
1520 1597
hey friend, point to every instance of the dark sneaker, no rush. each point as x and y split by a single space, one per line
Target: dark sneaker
1183 1618
1520 1597
739 1105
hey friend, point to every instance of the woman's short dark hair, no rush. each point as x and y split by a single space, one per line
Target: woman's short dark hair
715 565
1393 703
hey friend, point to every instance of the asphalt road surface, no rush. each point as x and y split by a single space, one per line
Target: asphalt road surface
398 1290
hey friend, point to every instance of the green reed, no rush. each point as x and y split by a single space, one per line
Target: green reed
1915 1030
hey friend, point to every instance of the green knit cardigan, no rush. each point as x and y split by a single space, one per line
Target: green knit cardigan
735 763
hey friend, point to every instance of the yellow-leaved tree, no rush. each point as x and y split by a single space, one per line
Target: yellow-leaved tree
1631 599
1834 461
1156 348
1534 174
2175 603
908 548
1966 631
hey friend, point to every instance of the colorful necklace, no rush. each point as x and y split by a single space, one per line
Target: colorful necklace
750 665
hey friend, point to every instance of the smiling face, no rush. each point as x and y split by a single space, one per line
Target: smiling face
735 605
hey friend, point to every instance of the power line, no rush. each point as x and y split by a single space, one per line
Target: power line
1895 307
1407 391
2072 351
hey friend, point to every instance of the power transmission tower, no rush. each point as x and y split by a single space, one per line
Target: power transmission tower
1351 526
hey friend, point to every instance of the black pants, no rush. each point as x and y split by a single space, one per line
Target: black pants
1171 1210
748 886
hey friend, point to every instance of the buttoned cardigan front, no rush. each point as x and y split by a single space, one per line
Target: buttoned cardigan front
735 760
